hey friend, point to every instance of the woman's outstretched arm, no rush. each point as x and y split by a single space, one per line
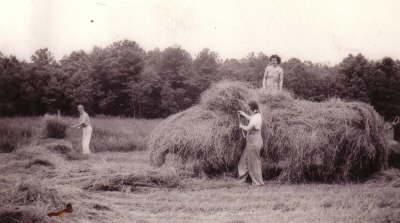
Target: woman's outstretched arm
254 123
248 127
244 115
80 122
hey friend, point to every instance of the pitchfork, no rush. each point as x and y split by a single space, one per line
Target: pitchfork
244 136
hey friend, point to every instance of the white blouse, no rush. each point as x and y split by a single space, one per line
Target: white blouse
255 121
84 119
273 77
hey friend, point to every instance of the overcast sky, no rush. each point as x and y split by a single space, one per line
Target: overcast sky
316 30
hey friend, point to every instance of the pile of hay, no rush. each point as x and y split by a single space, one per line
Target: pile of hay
28 201
205 136
327 141
133 183
389 177
394 153
24 214
53 127
303 141
31 192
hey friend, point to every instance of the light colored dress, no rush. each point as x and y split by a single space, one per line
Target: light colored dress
250 161
84 123
273 77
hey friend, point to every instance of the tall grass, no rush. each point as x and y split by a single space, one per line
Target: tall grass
120 134
116 134
15 132
109 133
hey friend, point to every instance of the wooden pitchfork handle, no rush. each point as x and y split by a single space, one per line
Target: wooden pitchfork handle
244 136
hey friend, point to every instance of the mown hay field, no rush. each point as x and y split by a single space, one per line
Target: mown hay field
121 186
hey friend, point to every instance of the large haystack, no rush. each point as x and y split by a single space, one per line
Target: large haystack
206 135
327 141
303 141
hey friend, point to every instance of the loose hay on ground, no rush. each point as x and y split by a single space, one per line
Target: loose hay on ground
44 156
28 201
133 183
25 215
39 162
30 192
389 177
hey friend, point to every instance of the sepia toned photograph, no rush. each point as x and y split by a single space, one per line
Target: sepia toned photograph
203 111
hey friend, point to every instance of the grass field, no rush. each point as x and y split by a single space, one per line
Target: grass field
117 186
109 134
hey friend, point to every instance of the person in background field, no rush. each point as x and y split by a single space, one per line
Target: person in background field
84 124
273 75
250 161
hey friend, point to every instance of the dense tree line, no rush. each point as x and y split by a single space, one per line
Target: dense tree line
124 79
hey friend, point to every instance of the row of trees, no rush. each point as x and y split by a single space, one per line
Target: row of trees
124 79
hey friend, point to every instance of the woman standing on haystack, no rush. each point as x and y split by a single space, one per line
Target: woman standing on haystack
250 161
273 75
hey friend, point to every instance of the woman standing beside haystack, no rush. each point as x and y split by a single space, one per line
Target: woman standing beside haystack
273 75
250 161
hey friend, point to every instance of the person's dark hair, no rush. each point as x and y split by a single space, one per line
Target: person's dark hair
253 105
276 57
